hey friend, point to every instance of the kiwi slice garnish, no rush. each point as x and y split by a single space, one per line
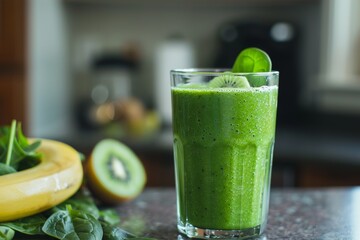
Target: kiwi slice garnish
115 174
229 80
193 85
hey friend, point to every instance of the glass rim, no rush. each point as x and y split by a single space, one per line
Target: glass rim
216 71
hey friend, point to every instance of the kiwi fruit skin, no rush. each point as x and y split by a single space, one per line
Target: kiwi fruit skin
229 81
100 189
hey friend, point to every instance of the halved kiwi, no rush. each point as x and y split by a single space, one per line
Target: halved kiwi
114 173
229 81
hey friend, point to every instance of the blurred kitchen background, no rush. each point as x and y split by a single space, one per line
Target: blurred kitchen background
82 70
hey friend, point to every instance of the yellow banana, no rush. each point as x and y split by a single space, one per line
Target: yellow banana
57 177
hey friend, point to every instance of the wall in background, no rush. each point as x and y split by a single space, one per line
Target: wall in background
97 27
49 98
339 78
65 35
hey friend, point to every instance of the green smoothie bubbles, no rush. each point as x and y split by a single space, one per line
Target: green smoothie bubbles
223 128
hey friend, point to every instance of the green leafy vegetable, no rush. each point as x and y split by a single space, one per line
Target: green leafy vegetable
109 216
10 143
20 236
143 238
29 225
5 169
78 218
82 157
6 233
252 60
80 201
15 150
73 225
257 81
116 233
112 232
135 224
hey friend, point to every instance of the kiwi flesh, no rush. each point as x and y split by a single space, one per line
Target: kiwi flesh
115 173
193 85
229 81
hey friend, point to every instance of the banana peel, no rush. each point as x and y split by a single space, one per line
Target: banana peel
56 178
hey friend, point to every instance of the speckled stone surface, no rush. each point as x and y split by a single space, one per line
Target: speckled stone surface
312 214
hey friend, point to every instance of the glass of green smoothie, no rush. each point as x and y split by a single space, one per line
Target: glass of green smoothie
224 129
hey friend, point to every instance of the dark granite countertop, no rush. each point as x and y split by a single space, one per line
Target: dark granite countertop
312 214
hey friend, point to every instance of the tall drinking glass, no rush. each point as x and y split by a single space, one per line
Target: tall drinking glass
223 147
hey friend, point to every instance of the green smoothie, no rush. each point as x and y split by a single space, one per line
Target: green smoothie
223 143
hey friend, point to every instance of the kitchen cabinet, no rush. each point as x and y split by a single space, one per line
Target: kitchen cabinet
195 3
12 32
12 60
323 175
11 98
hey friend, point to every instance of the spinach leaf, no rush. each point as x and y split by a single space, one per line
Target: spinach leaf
73 225
20 236
109 216
10 142
20 152
5 169
29 149
6 233
23 142
143 238
15 150
81 201
114 233
28 162
2 150
29 225
82 157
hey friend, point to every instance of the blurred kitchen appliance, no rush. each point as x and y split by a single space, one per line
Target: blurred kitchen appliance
110 81
112 78
174 52
280 39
